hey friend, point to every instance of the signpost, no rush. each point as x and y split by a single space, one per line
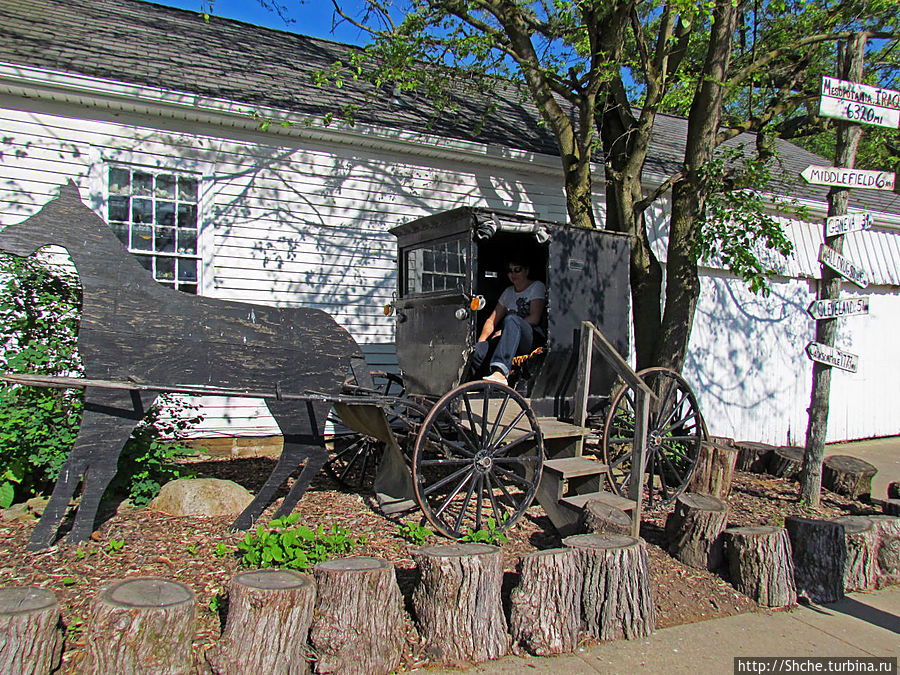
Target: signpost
832 357
852 222
843 266
849 178
832 309
860 103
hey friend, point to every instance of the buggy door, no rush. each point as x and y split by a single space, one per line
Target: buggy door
432 339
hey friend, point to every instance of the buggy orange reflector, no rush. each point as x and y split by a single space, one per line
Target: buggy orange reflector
477 303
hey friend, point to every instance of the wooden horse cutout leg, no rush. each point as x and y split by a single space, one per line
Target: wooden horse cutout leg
108 420
302 426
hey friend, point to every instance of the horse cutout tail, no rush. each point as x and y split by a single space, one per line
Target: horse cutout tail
134 329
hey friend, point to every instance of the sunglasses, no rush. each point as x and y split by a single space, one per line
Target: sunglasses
515 269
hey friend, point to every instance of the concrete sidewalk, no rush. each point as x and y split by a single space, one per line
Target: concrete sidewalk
860 625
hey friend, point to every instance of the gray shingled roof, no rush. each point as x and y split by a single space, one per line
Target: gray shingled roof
143 43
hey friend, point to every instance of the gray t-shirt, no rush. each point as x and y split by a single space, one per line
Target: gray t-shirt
520 303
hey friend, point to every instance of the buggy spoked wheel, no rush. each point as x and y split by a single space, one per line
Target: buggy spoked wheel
354 457
478 455
675 431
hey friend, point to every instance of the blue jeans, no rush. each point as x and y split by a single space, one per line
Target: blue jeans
516 338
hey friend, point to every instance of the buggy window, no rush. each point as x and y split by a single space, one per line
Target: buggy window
436 267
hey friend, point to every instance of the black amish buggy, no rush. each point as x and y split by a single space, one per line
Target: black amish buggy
470 453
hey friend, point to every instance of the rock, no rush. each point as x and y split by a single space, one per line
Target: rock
24 511
201 497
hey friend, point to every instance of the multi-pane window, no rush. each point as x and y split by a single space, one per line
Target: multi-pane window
436 267
154 214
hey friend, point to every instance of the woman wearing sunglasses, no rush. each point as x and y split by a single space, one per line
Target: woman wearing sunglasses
514 325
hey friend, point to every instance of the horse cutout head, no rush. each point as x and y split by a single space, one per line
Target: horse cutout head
134 329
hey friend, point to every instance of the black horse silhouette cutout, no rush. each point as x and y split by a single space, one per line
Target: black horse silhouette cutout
134 329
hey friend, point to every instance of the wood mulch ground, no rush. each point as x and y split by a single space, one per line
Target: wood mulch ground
140 542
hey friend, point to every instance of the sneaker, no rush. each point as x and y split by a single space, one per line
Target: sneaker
496 376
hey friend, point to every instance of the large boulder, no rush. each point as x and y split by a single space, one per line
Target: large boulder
201 497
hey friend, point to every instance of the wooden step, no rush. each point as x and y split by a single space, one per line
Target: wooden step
578 501
574 467
553 428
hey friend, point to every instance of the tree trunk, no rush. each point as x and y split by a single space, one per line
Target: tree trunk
546 604
360 624
269 613
848 476
819 553
786 462
600 518
715 470
861 563
760 564
30 636
753 457
458 604
141 625
888 551
694 530
616 595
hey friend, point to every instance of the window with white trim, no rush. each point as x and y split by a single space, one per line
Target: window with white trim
154 213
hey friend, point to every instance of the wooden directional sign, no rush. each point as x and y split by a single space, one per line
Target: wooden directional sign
832 357
849 178
832 309
847 269
835 225
861 103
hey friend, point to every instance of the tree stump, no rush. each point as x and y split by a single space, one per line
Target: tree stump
786 462
546 604
715 469
848 476
142 625
694 530
360 624
887 553
30 639
458 604
891 507
269 613
759 560
893 490
753 457
819 551
724 441
600 518
616 596
861 563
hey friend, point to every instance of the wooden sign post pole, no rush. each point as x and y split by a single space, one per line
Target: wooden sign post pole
852 56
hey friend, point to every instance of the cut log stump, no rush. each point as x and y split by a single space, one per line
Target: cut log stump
760 564
819 551
888 551
458 604
715 469
694 530
616 596
142 625
30 636
545 614
848 476
786 462
753 457
600 518
269 613
893 490
360 624
891 507
861 563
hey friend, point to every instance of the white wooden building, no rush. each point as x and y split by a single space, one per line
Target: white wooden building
217 133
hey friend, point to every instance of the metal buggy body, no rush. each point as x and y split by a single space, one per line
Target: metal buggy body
565 431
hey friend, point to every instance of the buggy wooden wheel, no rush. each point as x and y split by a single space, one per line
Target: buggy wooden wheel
478 456
675 431
354 457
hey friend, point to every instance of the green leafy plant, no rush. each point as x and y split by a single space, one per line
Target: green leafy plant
216 602
490 534
415 533
222 550
280 544
115 546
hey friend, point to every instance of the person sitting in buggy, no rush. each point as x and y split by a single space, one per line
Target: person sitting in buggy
514 327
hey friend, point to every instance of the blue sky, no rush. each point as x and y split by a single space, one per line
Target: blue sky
309 18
